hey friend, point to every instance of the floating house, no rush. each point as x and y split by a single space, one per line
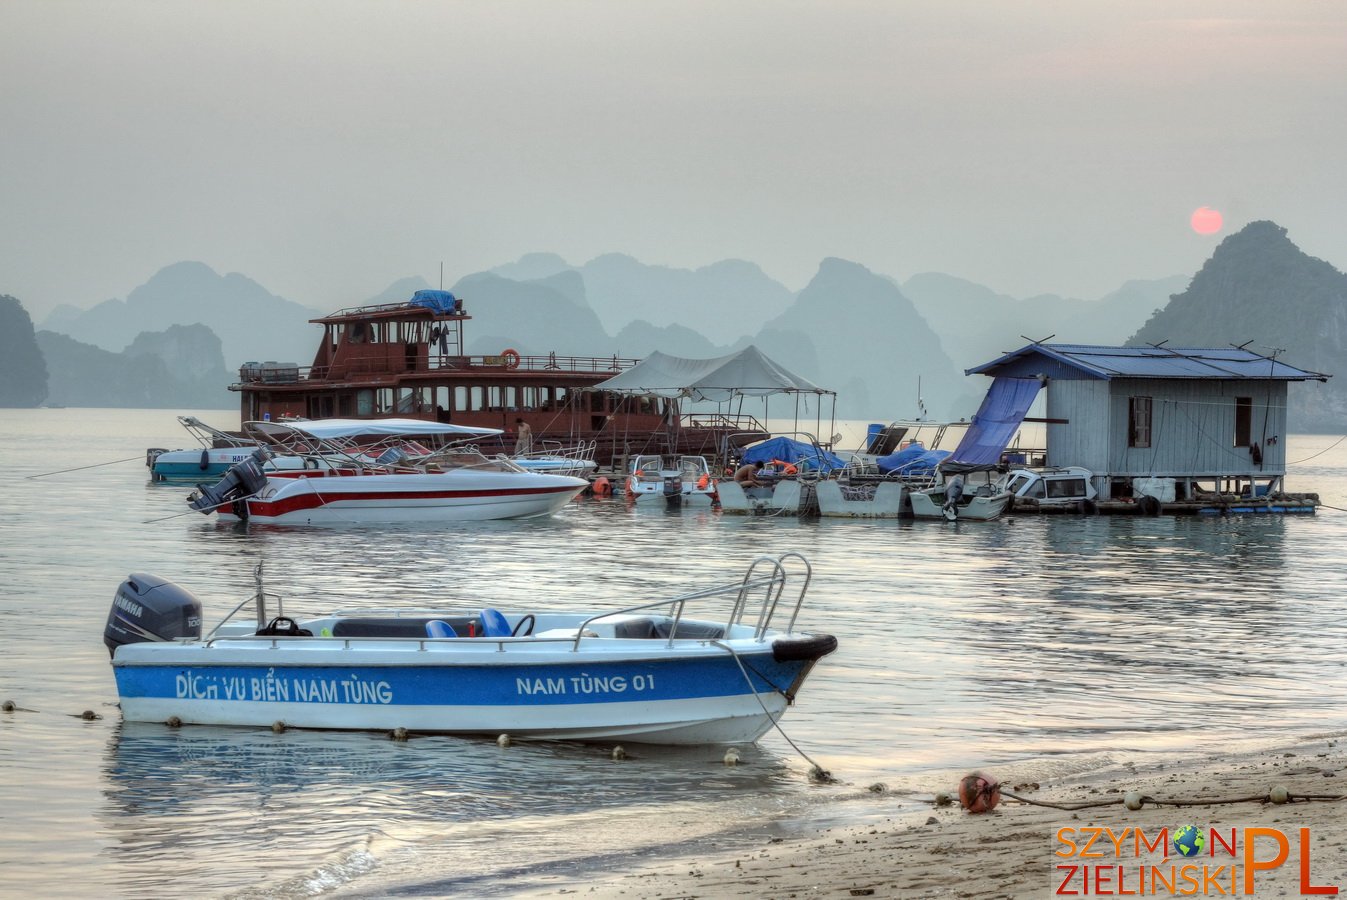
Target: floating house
1177 425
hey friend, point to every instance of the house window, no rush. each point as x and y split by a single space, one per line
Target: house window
1243 421
1139 422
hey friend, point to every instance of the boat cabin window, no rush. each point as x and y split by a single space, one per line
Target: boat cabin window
1018 481
1139 422
407 401
1243 421
364 402
1066 487
1037 491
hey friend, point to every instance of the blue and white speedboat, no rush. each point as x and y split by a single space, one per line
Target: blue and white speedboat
217 453
646 673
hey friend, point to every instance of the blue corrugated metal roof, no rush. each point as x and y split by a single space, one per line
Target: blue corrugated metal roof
1149 362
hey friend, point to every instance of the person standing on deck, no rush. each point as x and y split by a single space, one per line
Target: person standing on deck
524 442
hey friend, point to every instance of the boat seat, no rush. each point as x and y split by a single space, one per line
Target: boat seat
438 628
648 628
406 627
494 623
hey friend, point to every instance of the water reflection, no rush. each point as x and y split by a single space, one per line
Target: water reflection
300 803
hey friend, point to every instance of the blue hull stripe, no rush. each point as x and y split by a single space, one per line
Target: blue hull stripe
432 685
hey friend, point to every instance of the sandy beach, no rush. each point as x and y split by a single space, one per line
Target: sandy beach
1026 850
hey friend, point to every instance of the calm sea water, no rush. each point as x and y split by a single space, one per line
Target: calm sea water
1069 642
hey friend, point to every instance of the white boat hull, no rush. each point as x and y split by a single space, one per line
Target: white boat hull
884 502
979 509
457 495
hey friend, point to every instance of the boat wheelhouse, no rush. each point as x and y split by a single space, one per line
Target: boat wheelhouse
407 359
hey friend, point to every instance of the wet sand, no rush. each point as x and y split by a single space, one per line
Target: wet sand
1016 851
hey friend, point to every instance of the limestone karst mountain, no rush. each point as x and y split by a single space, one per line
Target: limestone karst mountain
1260 289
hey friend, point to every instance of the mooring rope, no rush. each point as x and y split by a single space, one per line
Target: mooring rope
817 772
1253 798
82 468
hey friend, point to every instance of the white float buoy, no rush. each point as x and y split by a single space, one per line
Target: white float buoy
503 741
1279 795
732 756
619 753
1132 800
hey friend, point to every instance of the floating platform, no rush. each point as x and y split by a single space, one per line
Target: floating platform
1205 505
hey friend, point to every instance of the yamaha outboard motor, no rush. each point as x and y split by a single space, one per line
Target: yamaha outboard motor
148 608
243 480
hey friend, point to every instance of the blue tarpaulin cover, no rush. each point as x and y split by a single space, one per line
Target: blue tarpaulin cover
439 301
911 460
1001 412
798 453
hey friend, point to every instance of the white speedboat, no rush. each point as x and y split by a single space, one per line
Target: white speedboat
317 482
670 480
649 673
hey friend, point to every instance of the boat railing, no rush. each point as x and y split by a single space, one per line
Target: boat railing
255 373
766 577
771 583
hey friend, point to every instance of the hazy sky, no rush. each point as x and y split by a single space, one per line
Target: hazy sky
328 148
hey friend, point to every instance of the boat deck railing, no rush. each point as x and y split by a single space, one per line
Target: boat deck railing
256 373
766 575
756 600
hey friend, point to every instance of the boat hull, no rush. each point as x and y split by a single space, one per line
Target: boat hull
667 695
881 501
190 466
450 496
979 509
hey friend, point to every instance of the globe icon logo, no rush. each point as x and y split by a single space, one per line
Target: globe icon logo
1189 840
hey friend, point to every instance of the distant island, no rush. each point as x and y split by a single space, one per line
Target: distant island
890 349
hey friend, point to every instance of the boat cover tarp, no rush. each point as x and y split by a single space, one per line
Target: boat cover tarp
806 456
899 459
437 301
994 424
326 429
748 372
915 460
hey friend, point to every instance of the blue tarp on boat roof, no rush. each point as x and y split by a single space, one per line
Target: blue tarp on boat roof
437 301
806 456
896 460
994 424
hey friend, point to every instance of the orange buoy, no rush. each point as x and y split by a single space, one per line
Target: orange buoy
703 481
785 467
979 793
602 486
510 358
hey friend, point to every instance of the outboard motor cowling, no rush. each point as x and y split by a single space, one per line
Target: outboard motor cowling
243 480
148 608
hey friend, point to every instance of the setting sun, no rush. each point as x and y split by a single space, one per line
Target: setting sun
1206 220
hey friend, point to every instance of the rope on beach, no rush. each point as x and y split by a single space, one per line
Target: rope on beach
816 772
1204 801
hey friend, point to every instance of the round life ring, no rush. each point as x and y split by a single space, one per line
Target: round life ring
510 358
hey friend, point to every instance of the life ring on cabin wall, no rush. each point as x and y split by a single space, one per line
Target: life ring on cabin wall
510 358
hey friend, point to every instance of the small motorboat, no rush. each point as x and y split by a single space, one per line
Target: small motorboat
719 665
553 459
980 505
218 452
319 473
652 478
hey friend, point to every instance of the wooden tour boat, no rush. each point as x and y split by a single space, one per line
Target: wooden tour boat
406 359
